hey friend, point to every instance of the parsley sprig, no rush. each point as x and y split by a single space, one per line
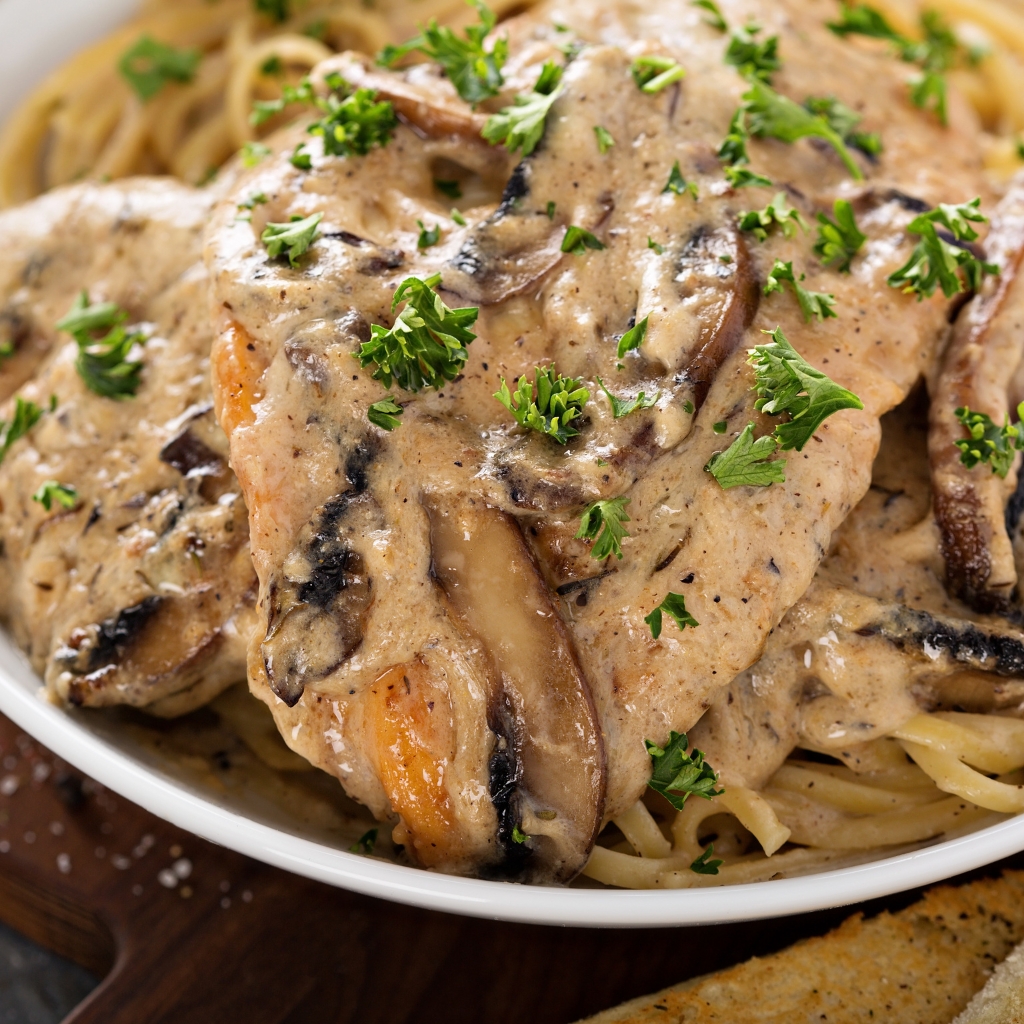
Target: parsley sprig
845 121
674 606
988 443
549 404
633 338
104 362
623 407
522 125
26 416
53 491
754 59
292 238
817 304
428 344
677 775
578 240
715 18
785 384
652 73
474 71
678 185
935 262
149 65
733 153
777 213
704 865
602 523
385 413
839 240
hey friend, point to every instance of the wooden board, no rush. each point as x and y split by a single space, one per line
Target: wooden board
184 931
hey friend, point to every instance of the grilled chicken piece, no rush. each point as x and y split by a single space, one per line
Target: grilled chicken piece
142 593
362 638
977 371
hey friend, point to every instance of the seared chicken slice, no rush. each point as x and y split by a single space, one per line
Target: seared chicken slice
367 542
140 591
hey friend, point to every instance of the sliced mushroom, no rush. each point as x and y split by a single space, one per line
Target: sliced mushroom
547 769
977 370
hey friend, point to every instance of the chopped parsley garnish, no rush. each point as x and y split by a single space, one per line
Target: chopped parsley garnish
674 606
653 73
52 491
456 215
755 60
602 523
522 125
623 407
296 237
385 413
839 240
103 362
316 29
733 153
365 843
935 262
633 338
845 121
720 427
677 775
817 304
452 189
551 207
989 443
772 115
279 10
272 66
518 835
748 463
678 185
254 153
777 212
741 177
474 71
428 237
703 865
264 110
652 244
549 404
604 139
427 345
26 416
715 20
148 66
301 158
786 383
577 241
258 199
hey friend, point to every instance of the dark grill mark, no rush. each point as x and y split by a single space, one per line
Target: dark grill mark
119 632
358 462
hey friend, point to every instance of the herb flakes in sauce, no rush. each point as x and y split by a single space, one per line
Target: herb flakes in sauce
674 606
385 413
578 240
149 65
522 125
748 463
754 59
988 443
604 139
292 238
52 491
26 415
602 523
777 213
550 404
623 406
677 775
653 73
633 338
817 304
839 240
678 185
103 362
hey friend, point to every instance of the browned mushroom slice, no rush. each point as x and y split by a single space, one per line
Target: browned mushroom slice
979 364
547 771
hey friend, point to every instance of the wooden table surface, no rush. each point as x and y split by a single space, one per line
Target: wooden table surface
182 930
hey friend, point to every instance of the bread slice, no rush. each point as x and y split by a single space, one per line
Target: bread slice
919 966
1001 1001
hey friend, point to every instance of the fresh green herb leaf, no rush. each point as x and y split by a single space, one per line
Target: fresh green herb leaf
296 237
279 10
741 177
928 91
755 60
633 338
653 73
839 240
456 216
733 153
549 404
817 304
428 238
935 262
522 125
452 189
677 775
316 29
6 350
623 407
862 20
518 835
258 199
26 416
254 153
148 66
301 158
103 362
678 185
577 241
52 491
772 115
777 212
551 209
385 413
652 244
474 71
264 110
604 139
688 407
715 20
674 605
703 865
272 66
845 121
748 463
365 843
605 518
427 344
988 443
720 427
786 383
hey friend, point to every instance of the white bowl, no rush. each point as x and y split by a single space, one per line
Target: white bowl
35 37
